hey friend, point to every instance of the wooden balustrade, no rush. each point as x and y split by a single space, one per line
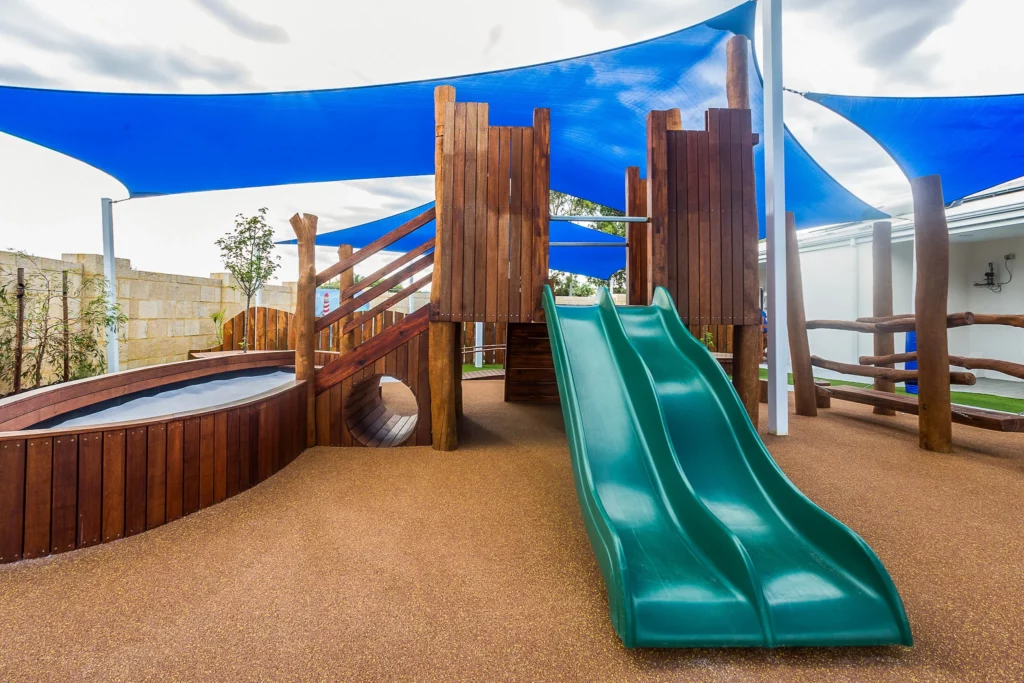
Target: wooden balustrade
890 374
373 247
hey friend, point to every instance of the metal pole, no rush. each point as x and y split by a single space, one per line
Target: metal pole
110 276
478 341
19 331
775 205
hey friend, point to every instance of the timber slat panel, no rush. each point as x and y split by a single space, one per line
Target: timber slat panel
504 221
12 499
191 456
113 484
232 467
156 475
90 489
541 190
469 213
526 293
490 273
135 475
220 457
458 214
65 493
515 227
714 216
484 235
175 470
206 447
38 487
725 201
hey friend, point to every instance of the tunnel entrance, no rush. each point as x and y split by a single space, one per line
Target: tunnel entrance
381 412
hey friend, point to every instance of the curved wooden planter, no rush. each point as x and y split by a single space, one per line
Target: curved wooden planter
73 487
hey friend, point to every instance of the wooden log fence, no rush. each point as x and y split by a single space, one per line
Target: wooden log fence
890 374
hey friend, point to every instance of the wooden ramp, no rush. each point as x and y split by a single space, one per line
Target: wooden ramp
972 417
483 374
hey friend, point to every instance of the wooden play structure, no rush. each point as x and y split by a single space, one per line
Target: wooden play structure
933 405
693 230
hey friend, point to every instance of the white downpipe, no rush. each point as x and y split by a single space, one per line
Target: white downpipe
478 338
110 275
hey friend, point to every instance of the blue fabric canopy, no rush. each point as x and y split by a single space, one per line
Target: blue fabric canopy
166 144
974 143
599 262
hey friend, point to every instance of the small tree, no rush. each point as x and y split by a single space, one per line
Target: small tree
248 255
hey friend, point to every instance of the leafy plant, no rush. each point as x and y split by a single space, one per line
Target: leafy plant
218 325
44 330
248 254
707 339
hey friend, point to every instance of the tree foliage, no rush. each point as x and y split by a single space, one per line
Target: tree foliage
562 204
248 254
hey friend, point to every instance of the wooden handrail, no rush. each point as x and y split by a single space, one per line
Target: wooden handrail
999 319
378 244
372 293
894 324
965 378
398 297
365 354
357 287
888 359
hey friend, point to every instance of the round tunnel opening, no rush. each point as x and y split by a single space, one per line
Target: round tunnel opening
381 412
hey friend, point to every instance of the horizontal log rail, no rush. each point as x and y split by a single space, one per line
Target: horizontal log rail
894 324
884 318
405 258
998 319
1004 366
351 305
893 375
971 417
377 245
888 360
365 316
365 354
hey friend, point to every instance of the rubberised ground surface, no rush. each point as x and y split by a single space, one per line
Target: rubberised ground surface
407 564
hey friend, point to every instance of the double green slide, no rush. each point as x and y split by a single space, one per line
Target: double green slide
702 540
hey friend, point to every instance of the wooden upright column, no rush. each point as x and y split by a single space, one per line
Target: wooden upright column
799 348
881 301
638 249
345 342
445 341
305 233
931 242
746 345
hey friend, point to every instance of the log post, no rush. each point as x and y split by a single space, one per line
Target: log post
345 342
931 242
746 339
799 347
638 251
443 337
881 300
304 320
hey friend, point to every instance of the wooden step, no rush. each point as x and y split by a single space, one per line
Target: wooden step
905 403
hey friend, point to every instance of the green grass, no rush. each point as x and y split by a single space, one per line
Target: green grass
986 401
469 367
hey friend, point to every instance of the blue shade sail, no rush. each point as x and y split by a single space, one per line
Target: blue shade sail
974 143
599 262
167 144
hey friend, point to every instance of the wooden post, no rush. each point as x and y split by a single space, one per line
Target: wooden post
444 341
881 300
799 348
657 200
19 329
304 320
638 241
346 342
66 336
746 339
931 241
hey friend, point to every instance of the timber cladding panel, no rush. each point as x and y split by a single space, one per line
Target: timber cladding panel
493 231
68 488
703 217
529 366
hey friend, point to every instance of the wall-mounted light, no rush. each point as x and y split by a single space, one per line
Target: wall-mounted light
991 282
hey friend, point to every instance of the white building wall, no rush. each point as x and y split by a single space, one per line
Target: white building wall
995 341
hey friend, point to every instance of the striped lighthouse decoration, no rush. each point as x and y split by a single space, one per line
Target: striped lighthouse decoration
327 304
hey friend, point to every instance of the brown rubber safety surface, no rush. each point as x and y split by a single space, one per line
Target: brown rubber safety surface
407 564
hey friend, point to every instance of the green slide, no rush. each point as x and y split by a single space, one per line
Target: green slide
702 540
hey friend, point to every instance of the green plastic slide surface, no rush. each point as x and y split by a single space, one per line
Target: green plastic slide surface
702 540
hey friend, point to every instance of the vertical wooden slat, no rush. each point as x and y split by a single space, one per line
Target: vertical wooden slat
90 489
526 293
156 475
175 470
483 234
191 461
458 212
65 493
244 448
12 499
229 336
738 180
515 226
445 225
493 237
693 259
261 328
135 475
38 487
673 239
231 473
113 484
251 334
254 441
657 196
705 228
504 218
338 419
336 425
207 434
282 329
751 284
715 215
323 418
424 424
264 445
726 221
470 214
677 144
220 457
541 205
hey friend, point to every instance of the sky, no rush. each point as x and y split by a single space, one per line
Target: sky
49 204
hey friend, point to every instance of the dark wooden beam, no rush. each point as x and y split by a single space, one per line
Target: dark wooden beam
799 348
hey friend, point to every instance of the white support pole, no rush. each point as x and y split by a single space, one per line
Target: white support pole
110 275
478 339
775 205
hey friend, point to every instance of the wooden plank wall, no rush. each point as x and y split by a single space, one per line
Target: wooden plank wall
494 218
529 367
348 415
704 218
494 334
63 489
